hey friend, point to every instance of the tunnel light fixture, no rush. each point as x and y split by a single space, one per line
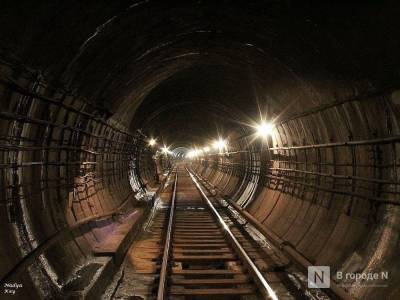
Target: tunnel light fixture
165 150
152 142
194 153
264 129
190 154
220 144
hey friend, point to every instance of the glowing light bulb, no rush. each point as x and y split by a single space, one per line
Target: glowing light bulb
152 142
165 150
220 144
191 154
264 129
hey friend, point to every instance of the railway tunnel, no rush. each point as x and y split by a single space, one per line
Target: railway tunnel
285 112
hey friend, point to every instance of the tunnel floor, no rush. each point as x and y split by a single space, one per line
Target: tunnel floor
203 262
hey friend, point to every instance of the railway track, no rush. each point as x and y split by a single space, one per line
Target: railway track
195 248
202 257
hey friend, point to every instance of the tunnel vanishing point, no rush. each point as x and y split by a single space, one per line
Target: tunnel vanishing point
199 149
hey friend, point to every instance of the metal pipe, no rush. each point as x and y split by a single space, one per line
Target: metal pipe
336 191
317 109
27 119
346 177
386 140
13 86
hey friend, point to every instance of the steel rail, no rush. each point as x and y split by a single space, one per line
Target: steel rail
265 289
167 246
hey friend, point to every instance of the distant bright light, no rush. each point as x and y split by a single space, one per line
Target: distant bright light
206 149
194 153
165 150
220 144
152 142
264 129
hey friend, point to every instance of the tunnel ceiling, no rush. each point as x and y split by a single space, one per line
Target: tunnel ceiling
125 53
196 104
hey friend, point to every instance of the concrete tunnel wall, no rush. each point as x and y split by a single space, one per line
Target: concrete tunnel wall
306 196
65 173
76 102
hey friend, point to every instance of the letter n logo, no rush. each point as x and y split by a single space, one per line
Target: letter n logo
319 277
